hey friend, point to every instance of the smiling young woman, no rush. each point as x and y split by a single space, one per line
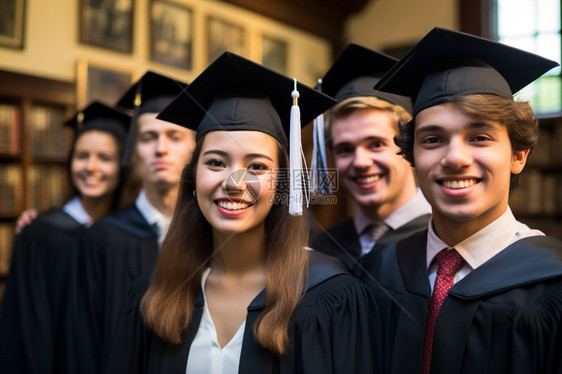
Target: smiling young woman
235 290
36 324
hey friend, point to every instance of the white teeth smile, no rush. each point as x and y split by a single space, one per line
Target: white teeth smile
456 184
229 205
368 180
91 180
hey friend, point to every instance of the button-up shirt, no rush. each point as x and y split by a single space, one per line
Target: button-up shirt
75 209
206 354
479 247
153 216
417 206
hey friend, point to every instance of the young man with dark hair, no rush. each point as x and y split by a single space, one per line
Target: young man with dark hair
477 291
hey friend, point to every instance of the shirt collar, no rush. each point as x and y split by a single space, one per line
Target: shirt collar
482 245
417 206
75 209
361 221
149 212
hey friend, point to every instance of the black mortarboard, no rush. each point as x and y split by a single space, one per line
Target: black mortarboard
98 116
354 73
446 63
236 94
156 91
150 94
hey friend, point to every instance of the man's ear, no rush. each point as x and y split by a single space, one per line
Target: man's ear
519 160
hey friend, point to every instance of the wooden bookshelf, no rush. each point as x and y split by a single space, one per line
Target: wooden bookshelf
537 201
33 150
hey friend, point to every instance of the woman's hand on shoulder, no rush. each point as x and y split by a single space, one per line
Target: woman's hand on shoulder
25 219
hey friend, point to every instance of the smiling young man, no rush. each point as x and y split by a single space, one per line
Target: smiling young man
361 131
125 244
477 291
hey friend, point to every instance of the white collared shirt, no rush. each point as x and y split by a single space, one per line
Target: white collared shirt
417 206
75 209
479 247
153 216
206 355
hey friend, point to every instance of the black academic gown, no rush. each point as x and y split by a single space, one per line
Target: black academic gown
503 317
37 333
332 331
114 251
342 241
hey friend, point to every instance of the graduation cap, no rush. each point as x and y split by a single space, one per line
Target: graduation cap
446 64
150 94
354 73
236 94
98 116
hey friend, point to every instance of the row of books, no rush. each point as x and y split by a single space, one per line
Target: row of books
11 188
538 193
44 126
10 142
6 244
44 130
548 152
48 186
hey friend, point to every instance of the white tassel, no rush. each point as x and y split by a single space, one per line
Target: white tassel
296 174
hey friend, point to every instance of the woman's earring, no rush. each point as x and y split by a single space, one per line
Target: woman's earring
194 193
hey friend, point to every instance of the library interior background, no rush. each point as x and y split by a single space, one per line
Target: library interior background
56 57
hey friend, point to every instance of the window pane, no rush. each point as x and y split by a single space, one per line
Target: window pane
548 13
548 45
523 11
534 26
544 95
526 43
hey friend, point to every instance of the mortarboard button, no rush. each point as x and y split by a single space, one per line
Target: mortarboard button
150 94
98 116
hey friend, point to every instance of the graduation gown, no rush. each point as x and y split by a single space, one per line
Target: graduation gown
114 251
36 330
504 317
342 241
332 331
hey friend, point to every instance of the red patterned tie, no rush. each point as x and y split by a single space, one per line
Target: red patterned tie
449 262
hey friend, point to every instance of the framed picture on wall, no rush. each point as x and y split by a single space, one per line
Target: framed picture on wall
12 21
171 34
222 35
100 82
274 54
107 24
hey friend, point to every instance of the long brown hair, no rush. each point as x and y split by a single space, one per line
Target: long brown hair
167 306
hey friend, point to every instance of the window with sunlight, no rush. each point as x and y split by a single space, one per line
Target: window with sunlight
534 26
